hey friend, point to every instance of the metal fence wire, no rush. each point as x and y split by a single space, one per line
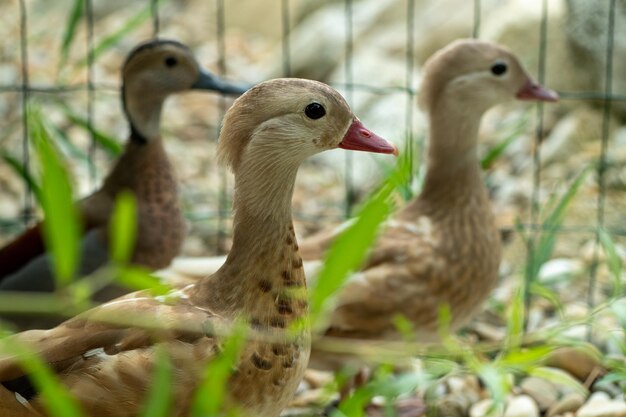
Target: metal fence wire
532 225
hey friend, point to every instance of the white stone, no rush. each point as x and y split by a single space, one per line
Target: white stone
481 408
600 405
522 406
559 269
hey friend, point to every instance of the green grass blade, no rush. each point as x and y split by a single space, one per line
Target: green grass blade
547 294
21 171
498 149
526 358
113 39
515 319
61 225
211 394
139 278
496 381
545 246
56 398
70 30
350 248
559 378
67 147
613 260
108 143
159 402
123 227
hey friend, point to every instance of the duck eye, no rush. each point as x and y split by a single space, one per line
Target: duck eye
314 111
170 61
498 68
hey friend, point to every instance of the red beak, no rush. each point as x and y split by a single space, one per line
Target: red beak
532 90
358 138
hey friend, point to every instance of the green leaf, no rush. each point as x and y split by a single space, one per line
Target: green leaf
159 402
613 260
106 142
21 171
515 319
123 227
547 294
559 377
67 147
139 278
526 358
406 159
497 150
61 226
619 310
405 327
211 393
56 398
496 380
545 246
70 30
350 248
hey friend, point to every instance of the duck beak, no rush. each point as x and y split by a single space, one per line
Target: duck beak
208 81
358 138
532 90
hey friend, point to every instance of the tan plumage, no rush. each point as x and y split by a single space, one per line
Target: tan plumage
153 71
266 135
443 248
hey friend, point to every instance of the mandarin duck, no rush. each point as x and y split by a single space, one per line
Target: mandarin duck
106 360
443 248
153 71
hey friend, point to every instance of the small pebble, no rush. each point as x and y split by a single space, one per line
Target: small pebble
569 403
481 408
542 391
578 362
522 406
600 405
607 387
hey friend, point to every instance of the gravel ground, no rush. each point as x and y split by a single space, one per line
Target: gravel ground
572 138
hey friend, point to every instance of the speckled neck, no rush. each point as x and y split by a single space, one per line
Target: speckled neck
263 275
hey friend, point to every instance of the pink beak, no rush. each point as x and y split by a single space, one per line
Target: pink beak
532 90
358 138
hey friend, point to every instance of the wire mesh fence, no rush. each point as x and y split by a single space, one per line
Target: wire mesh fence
531 226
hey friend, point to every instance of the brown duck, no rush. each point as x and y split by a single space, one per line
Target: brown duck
107 367
153 71
443 248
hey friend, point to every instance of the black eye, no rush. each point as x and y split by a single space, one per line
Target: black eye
170 61
314 111
498 68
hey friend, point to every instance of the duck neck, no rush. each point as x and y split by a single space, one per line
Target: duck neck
150 168
453 171
143 111
263 274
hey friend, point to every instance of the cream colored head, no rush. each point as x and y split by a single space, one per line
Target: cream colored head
153 71
477 75
287 120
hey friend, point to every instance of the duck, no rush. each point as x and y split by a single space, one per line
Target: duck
105 358
443 249
152 72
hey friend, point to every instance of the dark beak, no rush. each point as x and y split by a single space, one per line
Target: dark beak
208 81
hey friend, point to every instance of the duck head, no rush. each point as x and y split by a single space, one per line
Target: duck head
284 121
476 75
156 69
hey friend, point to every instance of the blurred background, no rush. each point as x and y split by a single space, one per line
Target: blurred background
569 240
